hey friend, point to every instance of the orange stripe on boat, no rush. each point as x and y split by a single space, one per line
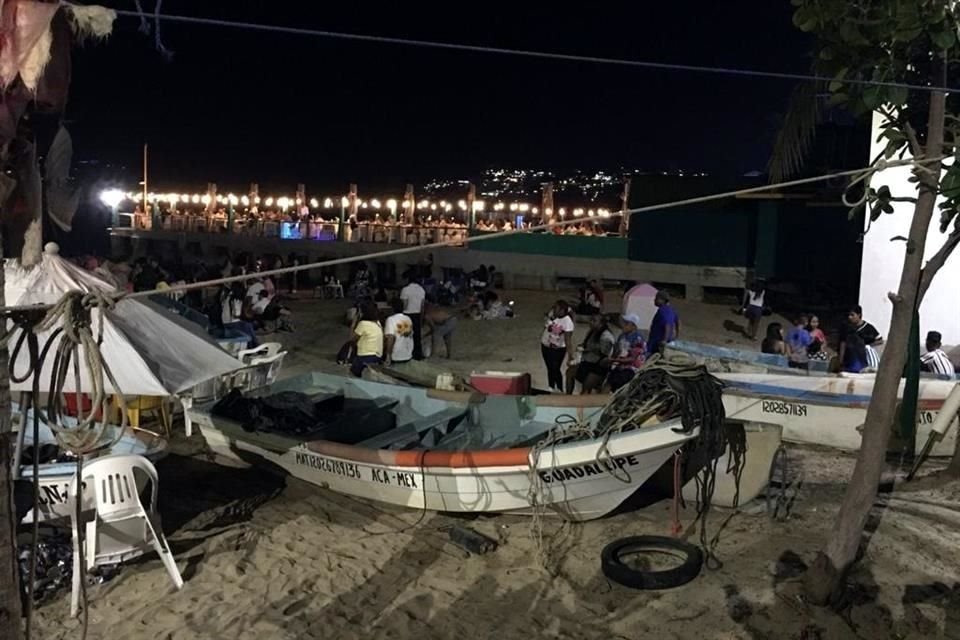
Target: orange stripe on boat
424 457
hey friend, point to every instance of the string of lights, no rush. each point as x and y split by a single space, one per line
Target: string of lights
113 198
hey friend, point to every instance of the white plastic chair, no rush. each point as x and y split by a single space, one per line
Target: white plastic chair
266 350
266 369
120 528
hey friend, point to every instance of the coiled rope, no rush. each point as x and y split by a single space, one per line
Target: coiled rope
663 389
70 326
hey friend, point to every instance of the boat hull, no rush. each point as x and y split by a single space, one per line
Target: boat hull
826 411
579 481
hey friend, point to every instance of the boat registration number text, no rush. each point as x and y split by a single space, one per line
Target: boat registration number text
583 470
355 471
784 408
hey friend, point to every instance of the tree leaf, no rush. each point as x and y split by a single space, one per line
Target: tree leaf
873 96
944 39
897 96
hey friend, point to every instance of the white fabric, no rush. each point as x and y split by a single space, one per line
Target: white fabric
556 328
400 326
873 358
150 350
253 291
756 299
412 296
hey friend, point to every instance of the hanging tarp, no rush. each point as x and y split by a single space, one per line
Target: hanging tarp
150 350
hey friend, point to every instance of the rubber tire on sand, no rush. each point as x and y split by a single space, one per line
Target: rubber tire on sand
614 568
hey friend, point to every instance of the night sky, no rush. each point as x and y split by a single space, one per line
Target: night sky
237 106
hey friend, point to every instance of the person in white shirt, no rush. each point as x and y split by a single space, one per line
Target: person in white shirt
398 336
935 360
413 297
253 291
556 343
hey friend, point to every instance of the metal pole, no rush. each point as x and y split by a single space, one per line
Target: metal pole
145 190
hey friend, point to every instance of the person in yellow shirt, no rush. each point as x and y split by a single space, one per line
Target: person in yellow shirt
368 336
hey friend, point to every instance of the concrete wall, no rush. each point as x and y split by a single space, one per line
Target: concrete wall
520 270
882 261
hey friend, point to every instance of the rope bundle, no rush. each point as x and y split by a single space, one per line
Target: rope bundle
70 320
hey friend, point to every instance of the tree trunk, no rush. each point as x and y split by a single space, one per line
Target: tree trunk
10 616
829 571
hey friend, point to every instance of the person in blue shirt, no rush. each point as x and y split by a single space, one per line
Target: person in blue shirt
798 340
665 326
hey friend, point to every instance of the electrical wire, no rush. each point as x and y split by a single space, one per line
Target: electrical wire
527 53
113 297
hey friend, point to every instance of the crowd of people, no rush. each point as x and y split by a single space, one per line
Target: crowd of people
602 362
858 344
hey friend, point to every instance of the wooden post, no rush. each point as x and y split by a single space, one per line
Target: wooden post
471 199
146 204
301 200
341 228
212 194
624 207
546 202
409 204
352 204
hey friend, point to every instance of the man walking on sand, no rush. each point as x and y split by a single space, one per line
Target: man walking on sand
413 297
665 326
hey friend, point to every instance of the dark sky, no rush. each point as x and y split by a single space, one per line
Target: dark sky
234 106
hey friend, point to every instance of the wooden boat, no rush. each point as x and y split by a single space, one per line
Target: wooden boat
827 410
730 360
419 448
55 477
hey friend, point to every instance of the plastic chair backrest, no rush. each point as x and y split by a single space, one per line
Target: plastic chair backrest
267 368
115 485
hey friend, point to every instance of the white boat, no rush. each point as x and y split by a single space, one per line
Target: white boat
416 448
55 477
826 410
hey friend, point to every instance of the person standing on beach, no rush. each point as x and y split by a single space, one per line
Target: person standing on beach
665 327
398 336
368 337
752 307
413 297
556 343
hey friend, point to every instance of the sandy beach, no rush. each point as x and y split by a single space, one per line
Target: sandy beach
267 557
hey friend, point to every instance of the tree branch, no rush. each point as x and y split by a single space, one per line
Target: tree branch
938 260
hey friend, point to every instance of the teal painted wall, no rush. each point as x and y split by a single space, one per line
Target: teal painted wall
593 247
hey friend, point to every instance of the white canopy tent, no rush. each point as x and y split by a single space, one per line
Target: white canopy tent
150 351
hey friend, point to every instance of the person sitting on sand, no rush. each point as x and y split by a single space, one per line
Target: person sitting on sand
797 341
440 323
935 360
594 357
854 359
628 354
591 299
268 309
773 343
368 338
867 333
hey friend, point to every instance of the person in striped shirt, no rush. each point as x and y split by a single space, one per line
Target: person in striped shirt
935 360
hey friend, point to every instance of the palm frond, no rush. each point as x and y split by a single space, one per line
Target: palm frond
796 135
